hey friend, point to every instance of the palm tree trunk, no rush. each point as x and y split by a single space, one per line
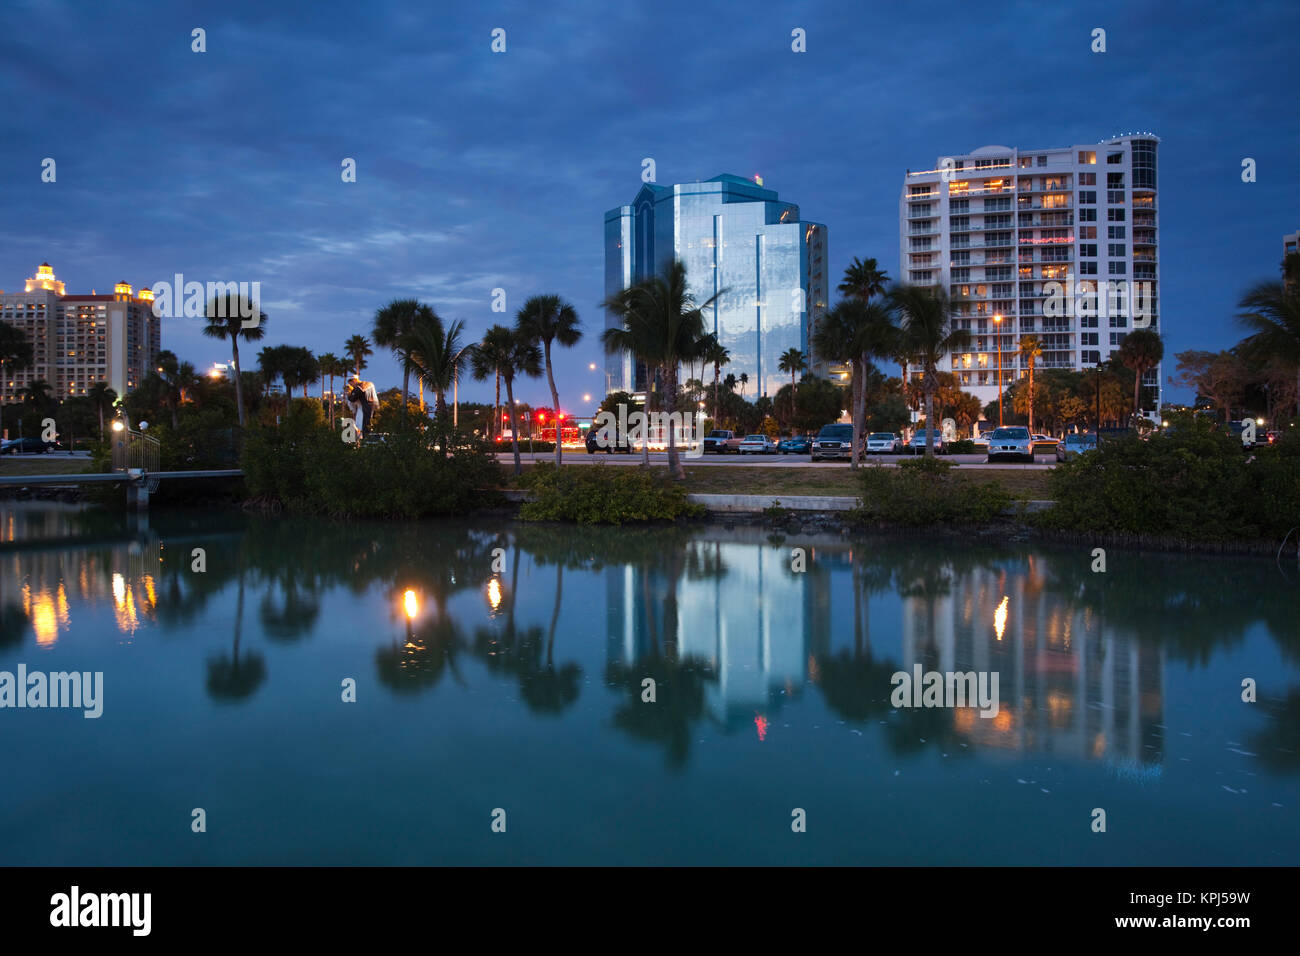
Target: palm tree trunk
555 400
239 385
929 414
674 461
860 411
406 385
1137 390
496 411
514 424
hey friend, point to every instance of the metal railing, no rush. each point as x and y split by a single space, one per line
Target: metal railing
134 450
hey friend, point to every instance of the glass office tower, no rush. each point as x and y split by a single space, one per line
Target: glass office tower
737 238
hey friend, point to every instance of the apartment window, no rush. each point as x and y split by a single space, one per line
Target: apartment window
1088 251
999 272
1026 162
1087 179
961 275
996 205
997 222
959 205
918 190
921 244
1087 232
1117 338
1117 268
1087 268
1116 250
1042 160
1115 232
922 259
961 258
1088 338
1114 180
1115 215
1115 158
1088 157
1091 358
919 209
1115 197
959 223
1088 197
1087 215
922 276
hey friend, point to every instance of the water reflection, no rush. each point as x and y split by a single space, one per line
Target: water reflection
731 635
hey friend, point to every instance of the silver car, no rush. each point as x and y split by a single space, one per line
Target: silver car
883 443
917 445
1011 441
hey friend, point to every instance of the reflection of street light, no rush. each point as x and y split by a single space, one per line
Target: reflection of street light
411 604
494 593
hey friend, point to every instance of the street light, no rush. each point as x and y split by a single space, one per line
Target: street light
997 324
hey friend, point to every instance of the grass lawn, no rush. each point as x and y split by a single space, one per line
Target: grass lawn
720 480
46 465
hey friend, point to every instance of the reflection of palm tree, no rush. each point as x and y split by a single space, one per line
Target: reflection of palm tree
295 614
235 678
543 687
13 624
419 662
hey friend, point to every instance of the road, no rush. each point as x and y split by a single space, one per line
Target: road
1043 460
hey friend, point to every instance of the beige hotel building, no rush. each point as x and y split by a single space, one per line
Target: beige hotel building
78 340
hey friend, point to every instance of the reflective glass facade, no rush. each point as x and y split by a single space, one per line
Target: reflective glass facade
737 238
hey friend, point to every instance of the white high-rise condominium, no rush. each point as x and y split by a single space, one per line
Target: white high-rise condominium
1059 243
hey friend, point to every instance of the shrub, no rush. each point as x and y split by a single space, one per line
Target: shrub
962 446
924 491
1191 482
305 466
600 494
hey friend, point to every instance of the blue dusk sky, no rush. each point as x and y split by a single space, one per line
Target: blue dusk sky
478 170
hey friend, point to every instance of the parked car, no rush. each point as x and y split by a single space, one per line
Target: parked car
597 442
917 445
1238 430
720 441
757 445
27 446
833 441
1011 441
796 445
884 443
1076 445
1044 440
1274 437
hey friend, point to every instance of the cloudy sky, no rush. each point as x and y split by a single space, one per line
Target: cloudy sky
478 170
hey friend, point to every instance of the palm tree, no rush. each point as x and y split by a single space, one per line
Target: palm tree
392 325
863 280
545 319
177 378
101 397
225 321
357 348
663 327
36 393
792 362
434 353
504 353
300 369
1142 350
272 362
330 366
717 355
1031 348
927 328
855 331
744 380
16 354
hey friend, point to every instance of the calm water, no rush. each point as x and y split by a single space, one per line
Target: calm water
520 688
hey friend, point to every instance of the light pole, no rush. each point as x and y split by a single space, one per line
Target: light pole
997 324
608 388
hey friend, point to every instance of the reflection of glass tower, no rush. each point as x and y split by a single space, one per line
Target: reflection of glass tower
1068 684
731 234
748 624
